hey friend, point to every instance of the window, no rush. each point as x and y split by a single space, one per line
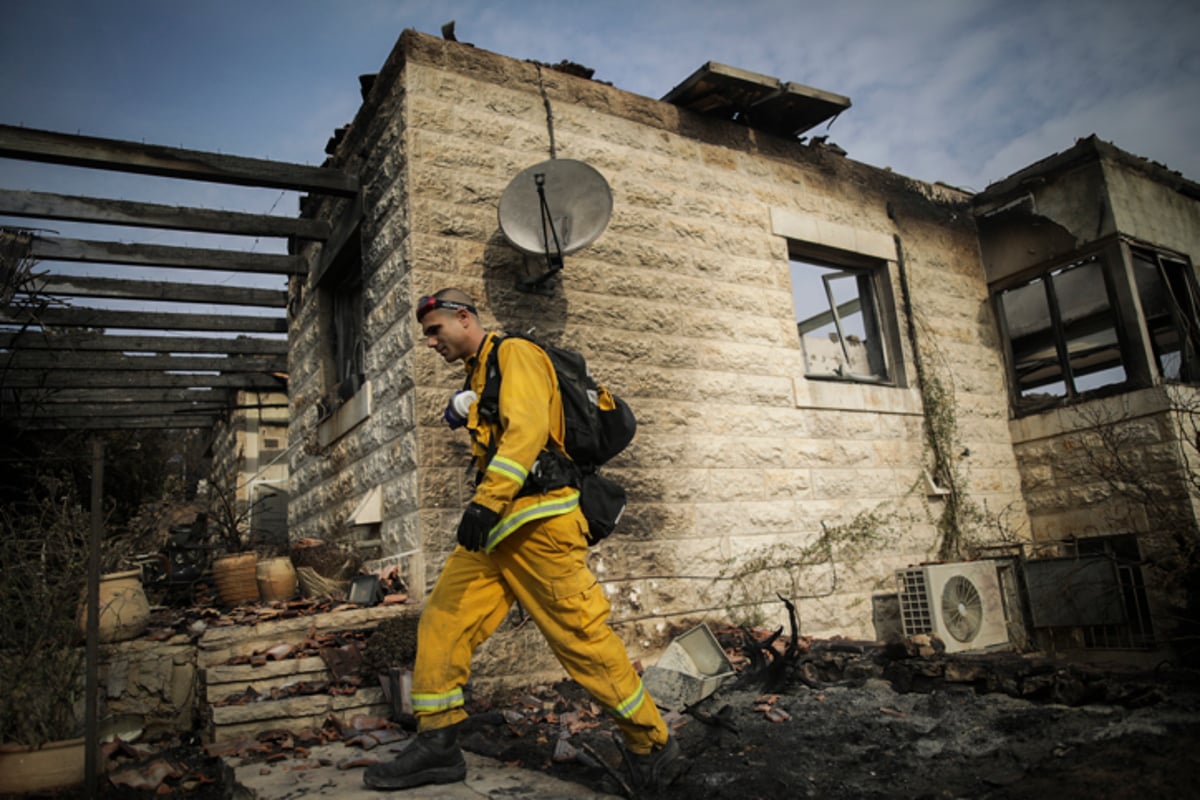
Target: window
837 316
346 400
342 311
347 332
1167 292
1062 333
1069 336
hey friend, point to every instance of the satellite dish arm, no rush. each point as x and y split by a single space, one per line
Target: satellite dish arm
554 255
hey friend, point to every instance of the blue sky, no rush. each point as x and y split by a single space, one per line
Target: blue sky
957 90
961 91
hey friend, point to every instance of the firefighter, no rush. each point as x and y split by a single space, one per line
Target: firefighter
515 546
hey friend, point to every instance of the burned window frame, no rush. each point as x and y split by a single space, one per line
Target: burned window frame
1137 632
343 325
1063 362
1139 353
872 300
1181 314
340 287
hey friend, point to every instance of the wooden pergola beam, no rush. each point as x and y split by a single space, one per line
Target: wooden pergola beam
72 340
171 162
140 395
160 255
84 409
89 406
144 320
103 211
166 291
57 379
149 422
114 360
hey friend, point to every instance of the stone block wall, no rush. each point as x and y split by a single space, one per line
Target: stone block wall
1114 466
746 478
152 680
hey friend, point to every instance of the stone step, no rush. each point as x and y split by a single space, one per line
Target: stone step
302 712
224 680
219 645
291 712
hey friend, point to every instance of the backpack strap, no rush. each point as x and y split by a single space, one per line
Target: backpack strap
488 404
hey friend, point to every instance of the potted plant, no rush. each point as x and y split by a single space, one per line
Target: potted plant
43 558
235 563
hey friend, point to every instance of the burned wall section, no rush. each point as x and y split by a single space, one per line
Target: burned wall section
349 442
1153 205
746 478
1116 459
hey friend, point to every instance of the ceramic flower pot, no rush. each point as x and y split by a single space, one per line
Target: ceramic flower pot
54 765
276 579
236 577
124 609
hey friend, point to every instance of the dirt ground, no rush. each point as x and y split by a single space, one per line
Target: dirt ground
839 719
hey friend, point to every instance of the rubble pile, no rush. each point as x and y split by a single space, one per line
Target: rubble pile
830 718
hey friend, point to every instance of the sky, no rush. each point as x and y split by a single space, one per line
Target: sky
960 91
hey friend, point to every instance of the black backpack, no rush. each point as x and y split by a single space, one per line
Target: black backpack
593 435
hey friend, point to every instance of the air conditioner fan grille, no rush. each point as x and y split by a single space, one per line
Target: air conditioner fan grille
962 608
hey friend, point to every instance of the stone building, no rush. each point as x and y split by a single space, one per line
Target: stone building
838 371
249 466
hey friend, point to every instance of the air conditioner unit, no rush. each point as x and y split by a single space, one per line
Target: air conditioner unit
959 602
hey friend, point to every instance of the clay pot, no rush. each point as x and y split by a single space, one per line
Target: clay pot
236 577
276 579
124 609
54 765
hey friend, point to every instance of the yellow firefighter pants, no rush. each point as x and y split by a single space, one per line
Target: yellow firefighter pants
543 566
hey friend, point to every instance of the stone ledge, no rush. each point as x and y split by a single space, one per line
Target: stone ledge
219 645
294 714
270 675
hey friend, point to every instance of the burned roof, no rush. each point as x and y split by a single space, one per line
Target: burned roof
768 104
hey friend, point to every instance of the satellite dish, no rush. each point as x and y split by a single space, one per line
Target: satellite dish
555 208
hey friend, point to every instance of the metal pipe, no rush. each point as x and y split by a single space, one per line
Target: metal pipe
91 725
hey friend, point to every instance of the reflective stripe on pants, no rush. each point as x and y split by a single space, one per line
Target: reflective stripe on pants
543 566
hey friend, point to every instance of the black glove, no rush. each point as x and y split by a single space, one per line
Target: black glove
477 520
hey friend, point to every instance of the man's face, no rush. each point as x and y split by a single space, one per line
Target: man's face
446 331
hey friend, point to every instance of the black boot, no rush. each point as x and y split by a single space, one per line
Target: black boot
655 771
433 757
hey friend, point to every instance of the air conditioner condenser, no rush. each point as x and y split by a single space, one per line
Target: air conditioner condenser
960 602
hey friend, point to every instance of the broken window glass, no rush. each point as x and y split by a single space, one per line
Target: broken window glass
342 324
1063 334
347 333
838 321
1169 304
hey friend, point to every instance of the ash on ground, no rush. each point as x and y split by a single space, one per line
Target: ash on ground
839 719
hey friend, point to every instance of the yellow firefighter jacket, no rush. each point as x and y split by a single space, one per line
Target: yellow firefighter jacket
531 419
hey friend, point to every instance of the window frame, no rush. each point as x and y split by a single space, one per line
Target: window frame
1187 330
1058 326
1139 358
877 308
346 399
